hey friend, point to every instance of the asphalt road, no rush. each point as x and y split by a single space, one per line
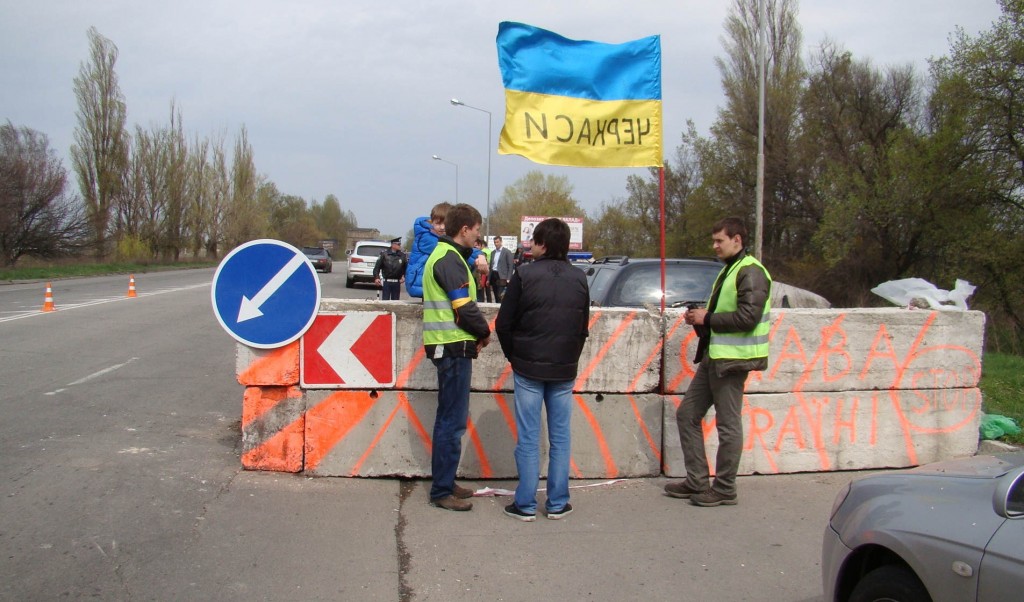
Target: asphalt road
120 480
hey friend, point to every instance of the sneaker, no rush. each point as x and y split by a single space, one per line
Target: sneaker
713 498
450 502
565 511
681 490
462 492
514 511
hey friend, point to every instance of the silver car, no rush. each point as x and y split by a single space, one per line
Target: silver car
951 530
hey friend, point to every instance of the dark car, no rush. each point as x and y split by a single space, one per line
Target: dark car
622 281
320 258
951 530
628 282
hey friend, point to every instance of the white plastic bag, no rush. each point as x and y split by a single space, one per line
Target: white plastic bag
917 292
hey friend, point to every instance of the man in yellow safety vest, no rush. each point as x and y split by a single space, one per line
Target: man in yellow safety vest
454 332
733 340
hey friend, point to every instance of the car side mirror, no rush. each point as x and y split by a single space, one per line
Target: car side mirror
1008 499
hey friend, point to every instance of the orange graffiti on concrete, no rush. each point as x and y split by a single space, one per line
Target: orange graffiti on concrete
821 421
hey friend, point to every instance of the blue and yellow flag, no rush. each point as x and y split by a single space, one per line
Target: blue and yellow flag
572 102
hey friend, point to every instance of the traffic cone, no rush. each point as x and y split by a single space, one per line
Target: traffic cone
131 286
48 299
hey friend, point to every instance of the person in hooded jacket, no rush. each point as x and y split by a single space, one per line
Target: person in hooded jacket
426 232
542 325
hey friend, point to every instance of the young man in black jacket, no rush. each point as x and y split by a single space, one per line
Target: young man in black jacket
542 326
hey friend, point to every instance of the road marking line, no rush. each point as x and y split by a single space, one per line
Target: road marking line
86 379
66 307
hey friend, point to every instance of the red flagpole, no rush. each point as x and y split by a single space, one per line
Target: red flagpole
661 195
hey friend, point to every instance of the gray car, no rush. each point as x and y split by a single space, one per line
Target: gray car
952 530
621 281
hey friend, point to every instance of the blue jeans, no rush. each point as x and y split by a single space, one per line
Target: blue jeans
453 376
556 397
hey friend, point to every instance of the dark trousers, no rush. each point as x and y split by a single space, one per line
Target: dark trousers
725 393
453 377
498 286
390 290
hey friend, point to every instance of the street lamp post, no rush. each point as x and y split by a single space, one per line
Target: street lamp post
436 158
487 221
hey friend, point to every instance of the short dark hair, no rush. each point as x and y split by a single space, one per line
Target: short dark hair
497 238
731 226
554 234
461 215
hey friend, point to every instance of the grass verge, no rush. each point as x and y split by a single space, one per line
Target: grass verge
1002 389
72 270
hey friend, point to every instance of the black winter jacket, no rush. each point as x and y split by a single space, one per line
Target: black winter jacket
544 319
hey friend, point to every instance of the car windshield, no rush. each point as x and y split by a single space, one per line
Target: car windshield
310 252
684 283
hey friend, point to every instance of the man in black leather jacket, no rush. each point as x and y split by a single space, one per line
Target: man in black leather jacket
542 326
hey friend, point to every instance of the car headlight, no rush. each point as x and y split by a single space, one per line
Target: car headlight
840 498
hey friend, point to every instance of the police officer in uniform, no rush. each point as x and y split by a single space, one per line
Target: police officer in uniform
391 265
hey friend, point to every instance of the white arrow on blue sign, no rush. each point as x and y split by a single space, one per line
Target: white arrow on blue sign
265 293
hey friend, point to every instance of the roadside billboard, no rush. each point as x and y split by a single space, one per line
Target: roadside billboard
529 222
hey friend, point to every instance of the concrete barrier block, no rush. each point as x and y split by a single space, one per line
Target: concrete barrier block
848 430
267 367
856 349
356 433
273 429
622 354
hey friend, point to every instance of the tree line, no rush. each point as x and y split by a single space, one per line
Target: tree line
144 194
871 173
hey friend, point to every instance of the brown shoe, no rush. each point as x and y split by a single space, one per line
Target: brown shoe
713 498
462 493
681 490
450 502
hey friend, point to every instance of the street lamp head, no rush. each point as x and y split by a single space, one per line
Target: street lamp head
455 101
436 158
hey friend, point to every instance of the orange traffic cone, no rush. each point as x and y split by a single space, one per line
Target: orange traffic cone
48 299
131 286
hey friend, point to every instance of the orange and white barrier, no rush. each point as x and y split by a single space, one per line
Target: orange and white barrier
131 286
48 299
845 389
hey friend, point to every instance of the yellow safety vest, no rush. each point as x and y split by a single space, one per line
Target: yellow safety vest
438 314
740 345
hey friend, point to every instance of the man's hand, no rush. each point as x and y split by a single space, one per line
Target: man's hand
481 263
696 316
376 281
481 343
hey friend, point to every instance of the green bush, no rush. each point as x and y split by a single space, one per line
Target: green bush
133 249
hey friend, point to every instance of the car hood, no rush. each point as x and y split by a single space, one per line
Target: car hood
991 467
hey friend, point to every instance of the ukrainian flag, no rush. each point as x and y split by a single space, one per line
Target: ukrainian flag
580 103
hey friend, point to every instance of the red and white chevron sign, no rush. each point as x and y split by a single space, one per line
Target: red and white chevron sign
354 350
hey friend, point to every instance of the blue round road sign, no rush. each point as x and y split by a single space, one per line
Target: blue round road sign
265 293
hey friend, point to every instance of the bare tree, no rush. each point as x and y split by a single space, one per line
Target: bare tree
99 154
730 174
176 154
198 196
37 217
246 217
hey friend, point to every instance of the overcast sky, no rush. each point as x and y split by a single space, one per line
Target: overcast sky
351 98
